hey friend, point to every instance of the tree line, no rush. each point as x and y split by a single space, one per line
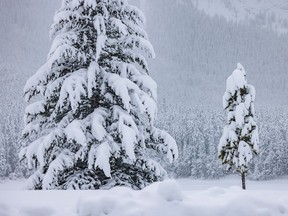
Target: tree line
197 131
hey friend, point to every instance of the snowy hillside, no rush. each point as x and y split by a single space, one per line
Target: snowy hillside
196 53
190 52
269 14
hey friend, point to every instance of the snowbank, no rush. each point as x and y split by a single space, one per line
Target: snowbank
165 198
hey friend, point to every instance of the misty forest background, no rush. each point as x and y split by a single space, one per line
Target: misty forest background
195 53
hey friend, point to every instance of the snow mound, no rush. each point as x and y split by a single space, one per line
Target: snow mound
162 198
36 211
170 191
5 210
97 206
124 201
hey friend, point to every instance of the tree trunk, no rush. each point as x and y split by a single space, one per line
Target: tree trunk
243 181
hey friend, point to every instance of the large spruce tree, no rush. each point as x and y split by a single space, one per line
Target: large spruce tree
240 138
92 123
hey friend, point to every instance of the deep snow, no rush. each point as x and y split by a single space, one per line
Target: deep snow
171 197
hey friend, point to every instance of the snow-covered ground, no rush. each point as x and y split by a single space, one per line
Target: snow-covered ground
172 197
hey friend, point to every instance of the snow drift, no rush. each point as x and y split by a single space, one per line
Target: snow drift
165 198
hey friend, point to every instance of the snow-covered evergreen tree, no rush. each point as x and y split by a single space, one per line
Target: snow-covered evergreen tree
240 138
94 124
2 160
